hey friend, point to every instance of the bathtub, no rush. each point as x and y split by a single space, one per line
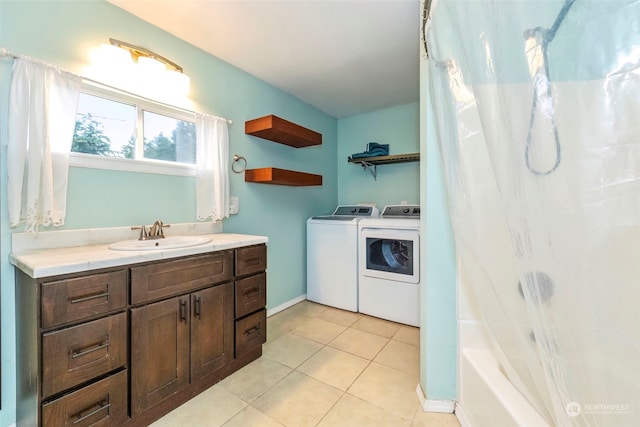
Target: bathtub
487 398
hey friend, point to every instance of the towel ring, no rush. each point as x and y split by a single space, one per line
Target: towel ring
236 159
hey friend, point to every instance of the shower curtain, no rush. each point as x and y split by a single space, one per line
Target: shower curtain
538 120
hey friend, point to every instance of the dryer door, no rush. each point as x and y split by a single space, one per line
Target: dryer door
390 254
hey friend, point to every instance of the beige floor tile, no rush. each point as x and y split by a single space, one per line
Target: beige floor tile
282 323
307 308
251 417
402 356
360 343
388 388
408 334
254 379
200 411
377 326
290 350
351 412
342 317
319 330
431 419
334 367
298 400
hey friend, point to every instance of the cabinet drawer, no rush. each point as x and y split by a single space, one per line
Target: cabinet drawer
101 404
155 281
251 259
251 294
74 355
75 299
251 332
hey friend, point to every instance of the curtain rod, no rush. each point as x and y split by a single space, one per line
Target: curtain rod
6 53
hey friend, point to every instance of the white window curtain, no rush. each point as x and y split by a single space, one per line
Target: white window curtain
212 167
43 104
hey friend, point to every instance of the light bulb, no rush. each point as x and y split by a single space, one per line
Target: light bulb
178 82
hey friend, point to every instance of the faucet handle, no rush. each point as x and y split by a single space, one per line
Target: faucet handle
163 225
143 231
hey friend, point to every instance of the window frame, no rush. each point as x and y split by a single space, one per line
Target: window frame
140 165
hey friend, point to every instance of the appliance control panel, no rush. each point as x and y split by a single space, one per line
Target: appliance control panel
356 210
401 211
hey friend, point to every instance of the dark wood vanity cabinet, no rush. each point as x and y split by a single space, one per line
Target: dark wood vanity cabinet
124 346
176 341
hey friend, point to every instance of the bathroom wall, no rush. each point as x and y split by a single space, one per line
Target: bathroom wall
397 126
62 33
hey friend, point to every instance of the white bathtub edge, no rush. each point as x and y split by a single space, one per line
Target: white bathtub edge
462 417
510 403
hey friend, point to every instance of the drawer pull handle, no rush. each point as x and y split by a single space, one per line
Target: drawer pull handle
252 330
251 292
102 406
90 297
80 353
183 310
197 306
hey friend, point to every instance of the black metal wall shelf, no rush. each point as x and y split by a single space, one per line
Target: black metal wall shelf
371 163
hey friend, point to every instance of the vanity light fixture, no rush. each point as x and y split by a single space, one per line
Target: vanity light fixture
148 68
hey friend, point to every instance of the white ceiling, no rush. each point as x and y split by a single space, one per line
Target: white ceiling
344 57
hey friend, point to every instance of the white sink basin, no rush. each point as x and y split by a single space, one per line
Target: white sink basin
171 242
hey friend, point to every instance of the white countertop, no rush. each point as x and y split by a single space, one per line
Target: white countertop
51 262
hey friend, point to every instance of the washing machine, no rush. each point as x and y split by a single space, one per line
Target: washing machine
332 256
389 265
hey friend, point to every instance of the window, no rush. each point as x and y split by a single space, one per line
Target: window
119 131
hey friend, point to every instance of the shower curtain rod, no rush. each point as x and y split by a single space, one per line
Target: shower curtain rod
6 53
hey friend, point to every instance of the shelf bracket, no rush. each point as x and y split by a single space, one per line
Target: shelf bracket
373 169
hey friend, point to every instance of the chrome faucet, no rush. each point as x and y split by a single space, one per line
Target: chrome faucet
155 231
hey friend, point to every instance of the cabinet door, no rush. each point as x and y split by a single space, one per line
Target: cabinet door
211 329
159 351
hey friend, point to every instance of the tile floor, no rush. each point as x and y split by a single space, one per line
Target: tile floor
320 367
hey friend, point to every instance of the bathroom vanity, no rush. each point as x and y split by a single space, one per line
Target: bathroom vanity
125 344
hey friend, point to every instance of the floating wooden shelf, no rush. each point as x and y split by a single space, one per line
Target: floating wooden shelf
277 176
386 160
282 131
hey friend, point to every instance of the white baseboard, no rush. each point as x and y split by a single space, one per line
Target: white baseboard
430 405
462 418
285 305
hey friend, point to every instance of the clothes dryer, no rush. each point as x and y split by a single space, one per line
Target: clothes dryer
389 265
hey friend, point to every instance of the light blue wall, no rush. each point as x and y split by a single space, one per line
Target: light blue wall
438 334
62 33
397 126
